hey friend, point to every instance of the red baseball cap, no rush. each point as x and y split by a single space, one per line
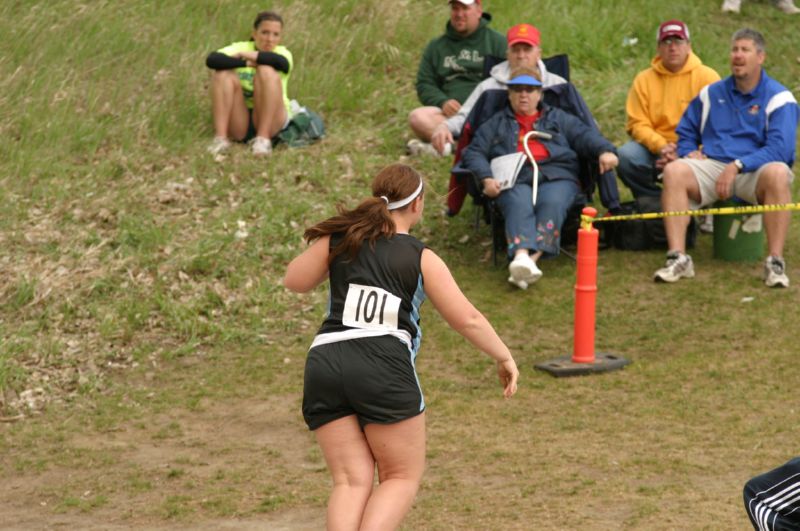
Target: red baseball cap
672 28
523 33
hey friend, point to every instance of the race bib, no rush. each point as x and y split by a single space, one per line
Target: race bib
370 307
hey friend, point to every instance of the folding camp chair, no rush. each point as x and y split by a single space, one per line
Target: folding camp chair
564 96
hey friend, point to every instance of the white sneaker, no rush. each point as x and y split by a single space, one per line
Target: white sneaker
679 265
520 284
523 271
261 146
707 224
219 145
775 273
787 6
418 147
731 6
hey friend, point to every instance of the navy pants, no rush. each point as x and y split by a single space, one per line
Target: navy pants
772 500
637 169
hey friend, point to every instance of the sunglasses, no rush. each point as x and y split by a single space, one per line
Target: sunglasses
523 88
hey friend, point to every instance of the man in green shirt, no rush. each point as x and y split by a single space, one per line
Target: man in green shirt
452 65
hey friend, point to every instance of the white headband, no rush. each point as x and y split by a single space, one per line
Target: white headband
403 202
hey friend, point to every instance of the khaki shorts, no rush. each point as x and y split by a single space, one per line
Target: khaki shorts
707 171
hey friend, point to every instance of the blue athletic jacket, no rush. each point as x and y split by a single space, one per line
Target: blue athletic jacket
756 128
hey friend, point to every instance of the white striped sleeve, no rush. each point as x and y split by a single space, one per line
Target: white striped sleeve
704 99
777 101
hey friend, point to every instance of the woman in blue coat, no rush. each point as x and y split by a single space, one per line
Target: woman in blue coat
534 230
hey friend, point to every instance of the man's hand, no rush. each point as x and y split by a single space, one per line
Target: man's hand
491 187
450 107
441 137
668 154
696 154
608 161
725 181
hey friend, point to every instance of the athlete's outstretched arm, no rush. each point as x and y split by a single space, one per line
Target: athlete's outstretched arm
310 268
464 318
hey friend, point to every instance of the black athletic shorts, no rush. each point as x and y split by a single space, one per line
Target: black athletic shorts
372 378
251 128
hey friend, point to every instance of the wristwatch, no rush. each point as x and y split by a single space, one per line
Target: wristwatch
739 165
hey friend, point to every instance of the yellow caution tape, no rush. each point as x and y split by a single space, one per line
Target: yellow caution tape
748 209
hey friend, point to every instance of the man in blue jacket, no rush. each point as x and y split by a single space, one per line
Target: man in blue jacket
736 139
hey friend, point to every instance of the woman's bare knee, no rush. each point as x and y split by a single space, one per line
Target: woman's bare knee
224 76
267 73
360 476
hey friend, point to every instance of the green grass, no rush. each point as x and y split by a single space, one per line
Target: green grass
171 358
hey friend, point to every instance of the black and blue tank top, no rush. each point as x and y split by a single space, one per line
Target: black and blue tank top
379 292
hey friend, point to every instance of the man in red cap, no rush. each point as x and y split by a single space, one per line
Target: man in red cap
656 101
524 51
451 67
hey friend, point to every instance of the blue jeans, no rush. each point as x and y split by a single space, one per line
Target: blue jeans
637 169
539 228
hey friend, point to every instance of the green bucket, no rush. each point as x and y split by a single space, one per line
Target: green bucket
738 237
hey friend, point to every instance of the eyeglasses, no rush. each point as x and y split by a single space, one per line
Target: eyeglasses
523 88
673 40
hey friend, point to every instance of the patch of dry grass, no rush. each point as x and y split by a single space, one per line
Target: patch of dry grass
151 363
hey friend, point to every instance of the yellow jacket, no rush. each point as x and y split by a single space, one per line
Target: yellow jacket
658 97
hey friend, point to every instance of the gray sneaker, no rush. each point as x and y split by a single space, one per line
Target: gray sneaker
731 6
679 265
219 145
787 6
261 146
775 273
707 224
417 147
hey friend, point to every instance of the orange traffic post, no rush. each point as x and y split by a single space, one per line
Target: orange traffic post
586 288
583 360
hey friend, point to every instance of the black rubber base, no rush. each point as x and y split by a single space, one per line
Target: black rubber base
564 366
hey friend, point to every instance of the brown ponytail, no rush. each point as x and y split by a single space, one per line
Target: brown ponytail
370 220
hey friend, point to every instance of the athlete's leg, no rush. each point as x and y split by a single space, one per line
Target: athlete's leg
269 112
228 108
353 470
399 450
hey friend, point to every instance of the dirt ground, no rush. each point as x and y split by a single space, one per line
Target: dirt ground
218 437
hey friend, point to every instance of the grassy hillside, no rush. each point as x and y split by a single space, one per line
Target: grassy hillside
151 363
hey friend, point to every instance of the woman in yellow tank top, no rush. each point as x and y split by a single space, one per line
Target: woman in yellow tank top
248 87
